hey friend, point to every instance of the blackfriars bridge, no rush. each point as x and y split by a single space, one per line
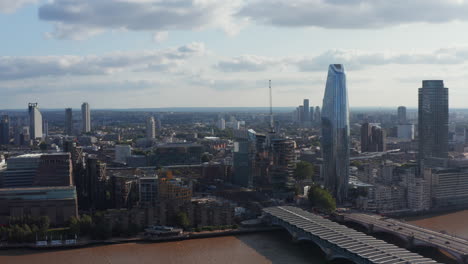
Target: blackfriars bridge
338 241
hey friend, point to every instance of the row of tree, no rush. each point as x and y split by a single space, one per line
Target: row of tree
25 229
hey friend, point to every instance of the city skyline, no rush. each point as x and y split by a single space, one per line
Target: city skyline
61 49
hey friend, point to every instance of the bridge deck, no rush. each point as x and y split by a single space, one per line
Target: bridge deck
365 247
444 241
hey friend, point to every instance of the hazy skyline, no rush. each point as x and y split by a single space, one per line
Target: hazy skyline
209 53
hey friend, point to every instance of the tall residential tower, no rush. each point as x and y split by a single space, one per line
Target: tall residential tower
86 117
150 128
401 115
335 133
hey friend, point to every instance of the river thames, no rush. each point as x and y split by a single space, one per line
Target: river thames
259 248
275 247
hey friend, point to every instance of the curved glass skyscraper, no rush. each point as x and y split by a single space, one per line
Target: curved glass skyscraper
335 133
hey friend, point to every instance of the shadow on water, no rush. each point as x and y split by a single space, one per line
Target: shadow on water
435 254
428 252
278 247
34 251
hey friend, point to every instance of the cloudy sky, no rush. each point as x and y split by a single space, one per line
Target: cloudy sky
190 53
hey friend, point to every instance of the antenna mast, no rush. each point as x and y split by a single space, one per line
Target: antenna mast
271 110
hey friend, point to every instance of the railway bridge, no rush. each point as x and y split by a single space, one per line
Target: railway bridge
338 241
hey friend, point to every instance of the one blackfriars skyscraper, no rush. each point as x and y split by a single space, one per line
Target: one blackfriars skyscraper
433 120
335 133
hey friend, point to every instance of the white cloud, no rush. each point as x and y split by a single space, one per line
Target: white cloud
8 6
352 59
246 63
159 37
353 13
77 19
12 67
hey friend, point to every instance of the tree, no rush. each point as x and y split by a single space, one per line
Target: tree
304 171
86 224
44 223
183 220
321 199
74 225
43 146
206 157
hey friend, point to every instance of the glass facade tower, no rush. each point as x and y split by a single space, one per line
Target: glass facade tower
433 120
335 133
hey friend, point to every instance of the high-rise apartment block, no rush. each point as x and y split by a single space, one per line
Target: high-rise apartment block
306 117
402 115
335 133
86 117
150 128
433 120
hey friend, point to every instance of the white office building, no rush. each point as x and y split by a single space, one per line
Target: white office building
35 121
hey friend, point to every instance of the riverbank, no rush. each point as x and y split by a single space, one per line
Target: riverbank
115 241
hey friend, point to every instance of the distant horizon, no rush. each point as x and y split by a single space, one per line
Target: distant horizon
222 109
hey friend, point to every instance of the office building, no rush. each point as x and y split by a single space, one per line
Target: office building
4 130
221 124
405 132
283 163
373 138
317 115
35 121
311 114
150 128
122 152
177 154
243 163
306 111
335 133
91 184
34 170
45 128
401 115
86 117
57 203
68 122
433 120
148 191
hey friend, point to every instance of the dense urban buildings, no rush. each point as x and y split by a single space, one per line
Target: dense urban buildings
85 118
335 133
433 120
